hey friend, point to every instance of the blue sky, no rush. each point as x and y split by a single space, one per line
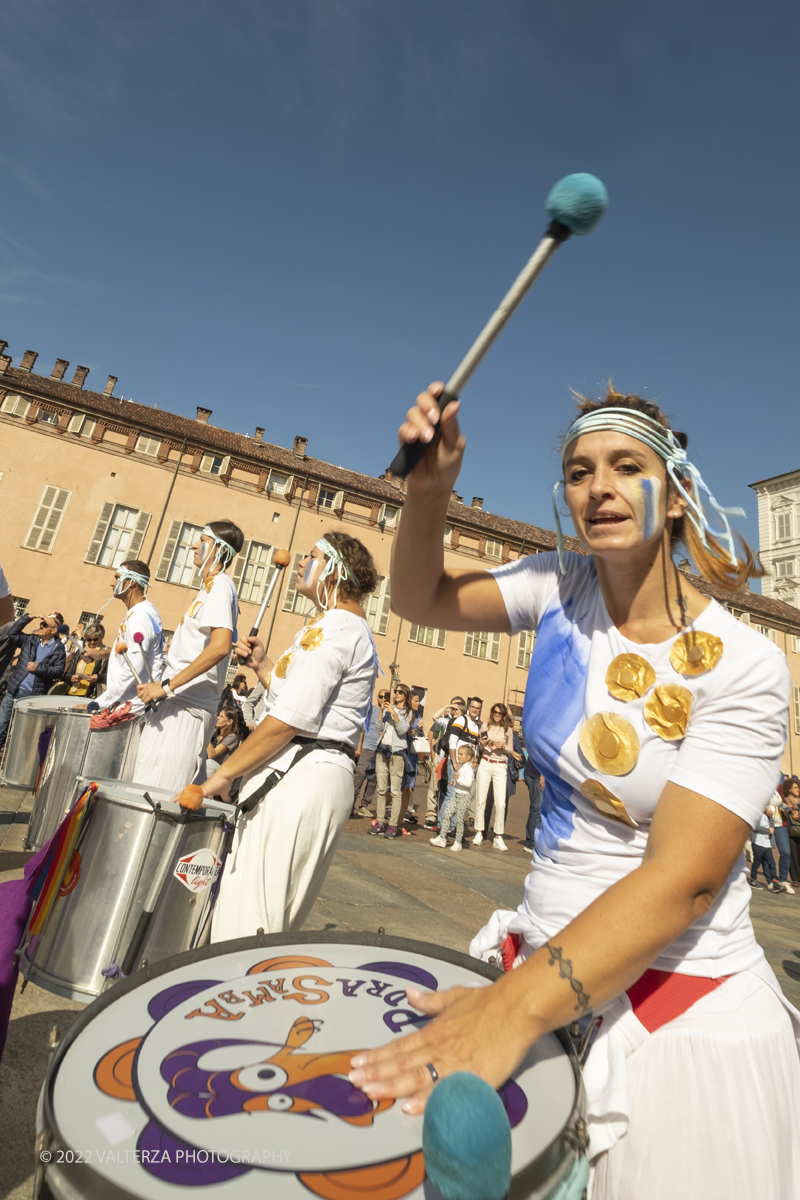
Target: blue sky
298 212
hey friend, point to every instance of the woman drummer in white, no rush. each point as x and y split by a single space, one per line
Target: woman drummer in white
175 736
658 722
319 695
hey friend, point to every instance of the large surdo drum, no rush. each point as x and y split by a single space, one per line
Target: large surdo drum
136 855
33 723
226 1069
75 750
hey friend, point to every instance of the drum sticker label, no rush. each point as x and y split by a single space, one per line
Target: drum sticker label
198 871
213 1095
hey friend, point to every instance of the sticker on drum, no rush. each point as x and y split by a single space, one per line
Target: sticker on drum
231 1068
199 870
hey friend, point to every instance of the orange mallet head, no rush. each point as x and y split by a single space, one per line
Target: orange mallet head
121 648
281 558
191 797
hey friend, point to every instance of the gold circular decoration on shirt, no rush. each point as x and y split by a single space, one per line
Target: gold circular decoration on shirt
606 802
311 638
629 676
667 711
282 665
610 743
267 682
695 652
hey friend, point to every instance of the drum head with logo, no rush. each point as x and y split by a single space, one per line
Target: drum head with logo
228 1067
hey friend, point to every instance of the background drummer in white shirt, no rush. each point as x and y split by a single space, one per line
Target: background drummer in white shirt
319 690
175 736
131 581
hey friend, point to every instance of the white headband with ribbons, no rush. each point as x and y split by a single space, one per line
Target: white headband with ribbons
337 565
222 547
663 441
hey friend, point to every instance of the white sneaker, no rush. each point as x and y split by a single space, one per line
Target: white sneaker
456 846
476 841
498 843
787 887
438 841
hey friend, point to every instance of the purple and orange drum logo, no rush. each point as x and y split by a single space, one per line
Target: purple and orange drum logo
265 1057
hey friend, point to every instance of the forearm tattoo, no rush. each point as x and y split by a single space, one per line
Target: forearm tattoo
565 971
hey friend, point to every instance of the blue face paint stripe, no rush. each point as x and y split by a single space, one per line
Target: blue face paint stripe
649 498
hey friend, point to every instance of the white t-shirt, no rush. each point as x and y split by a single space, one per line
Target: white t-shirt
731 753
323 684
465 776
215 607
142 618
5 590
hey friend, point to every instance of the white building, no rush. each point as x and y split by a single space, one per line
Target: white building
779 535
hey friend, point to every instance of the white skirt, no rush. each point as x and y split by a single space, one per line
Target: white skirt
282 850
172 749
710 1100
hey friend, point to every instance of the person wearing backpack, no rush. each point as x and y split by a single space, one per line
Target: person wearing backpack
438 739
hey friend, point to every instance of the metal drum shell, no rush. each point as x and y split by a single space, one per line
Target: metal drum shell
91 923
65 1180
74 751
30 717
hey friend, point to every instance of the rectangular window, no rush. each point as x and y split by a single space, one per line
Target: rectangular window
256 573
117 541
182 569
483 645
525 648
16 406
20 607
325 497
293 602
494 549
448 533
795 644
147 445
423 635
786 568
42 532
212 464
387 515
772 634
81 425
783 525
49 418
796 697
378 606
279 484
89 618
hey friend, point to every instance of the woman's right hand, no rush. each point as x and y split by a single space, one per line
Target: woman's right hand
250 652
438 469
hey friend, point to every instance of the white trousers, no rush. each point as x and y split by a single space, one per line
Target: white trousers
172 748
712 1102
282 850
491 773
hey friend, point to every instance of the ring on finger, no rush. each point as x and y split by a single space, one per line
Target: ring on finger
434 1073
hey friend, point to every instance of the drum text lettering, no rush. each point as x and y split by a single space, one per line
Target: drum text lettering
304 993
218 1012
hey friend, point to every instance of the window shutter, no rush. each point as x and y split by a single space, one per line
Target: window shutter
169 550
291 587
494 647
140 529
413 633
76 423
386 608
440 636
745 618
47 520
381 514
225 465
100 529
238 566
338 502
54 519
468 640
287 491
32 540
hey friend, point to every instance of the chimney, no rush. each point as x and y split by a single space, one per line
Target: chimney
79 378
109 388
203 414
59 369
3 349
300 446
259 435
5 363
28 359
477 502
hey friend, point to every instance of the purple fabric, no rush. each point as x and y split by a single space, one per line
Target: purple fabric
514 1100
15 905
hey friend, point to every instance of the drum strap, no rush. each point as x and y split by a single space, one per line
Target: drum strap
306 744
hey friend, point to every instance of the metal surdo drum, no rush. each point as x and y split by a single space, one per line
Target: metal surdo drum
201 1073
76 750
136 887
33 723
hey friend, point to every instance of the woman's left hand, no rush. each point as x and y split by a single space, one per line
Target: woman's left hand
474 1030
150 691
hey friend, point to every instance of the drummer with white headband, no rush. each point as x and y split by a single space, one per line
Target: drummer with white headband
298 763
658 722
172 747
131 581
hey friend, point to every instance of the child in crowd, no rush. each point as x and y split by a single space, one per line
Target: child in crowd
460 801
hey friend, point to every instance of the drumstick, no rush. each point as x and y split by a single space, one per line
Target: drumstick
575 205
122 649
280 559
139 638
466 1139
